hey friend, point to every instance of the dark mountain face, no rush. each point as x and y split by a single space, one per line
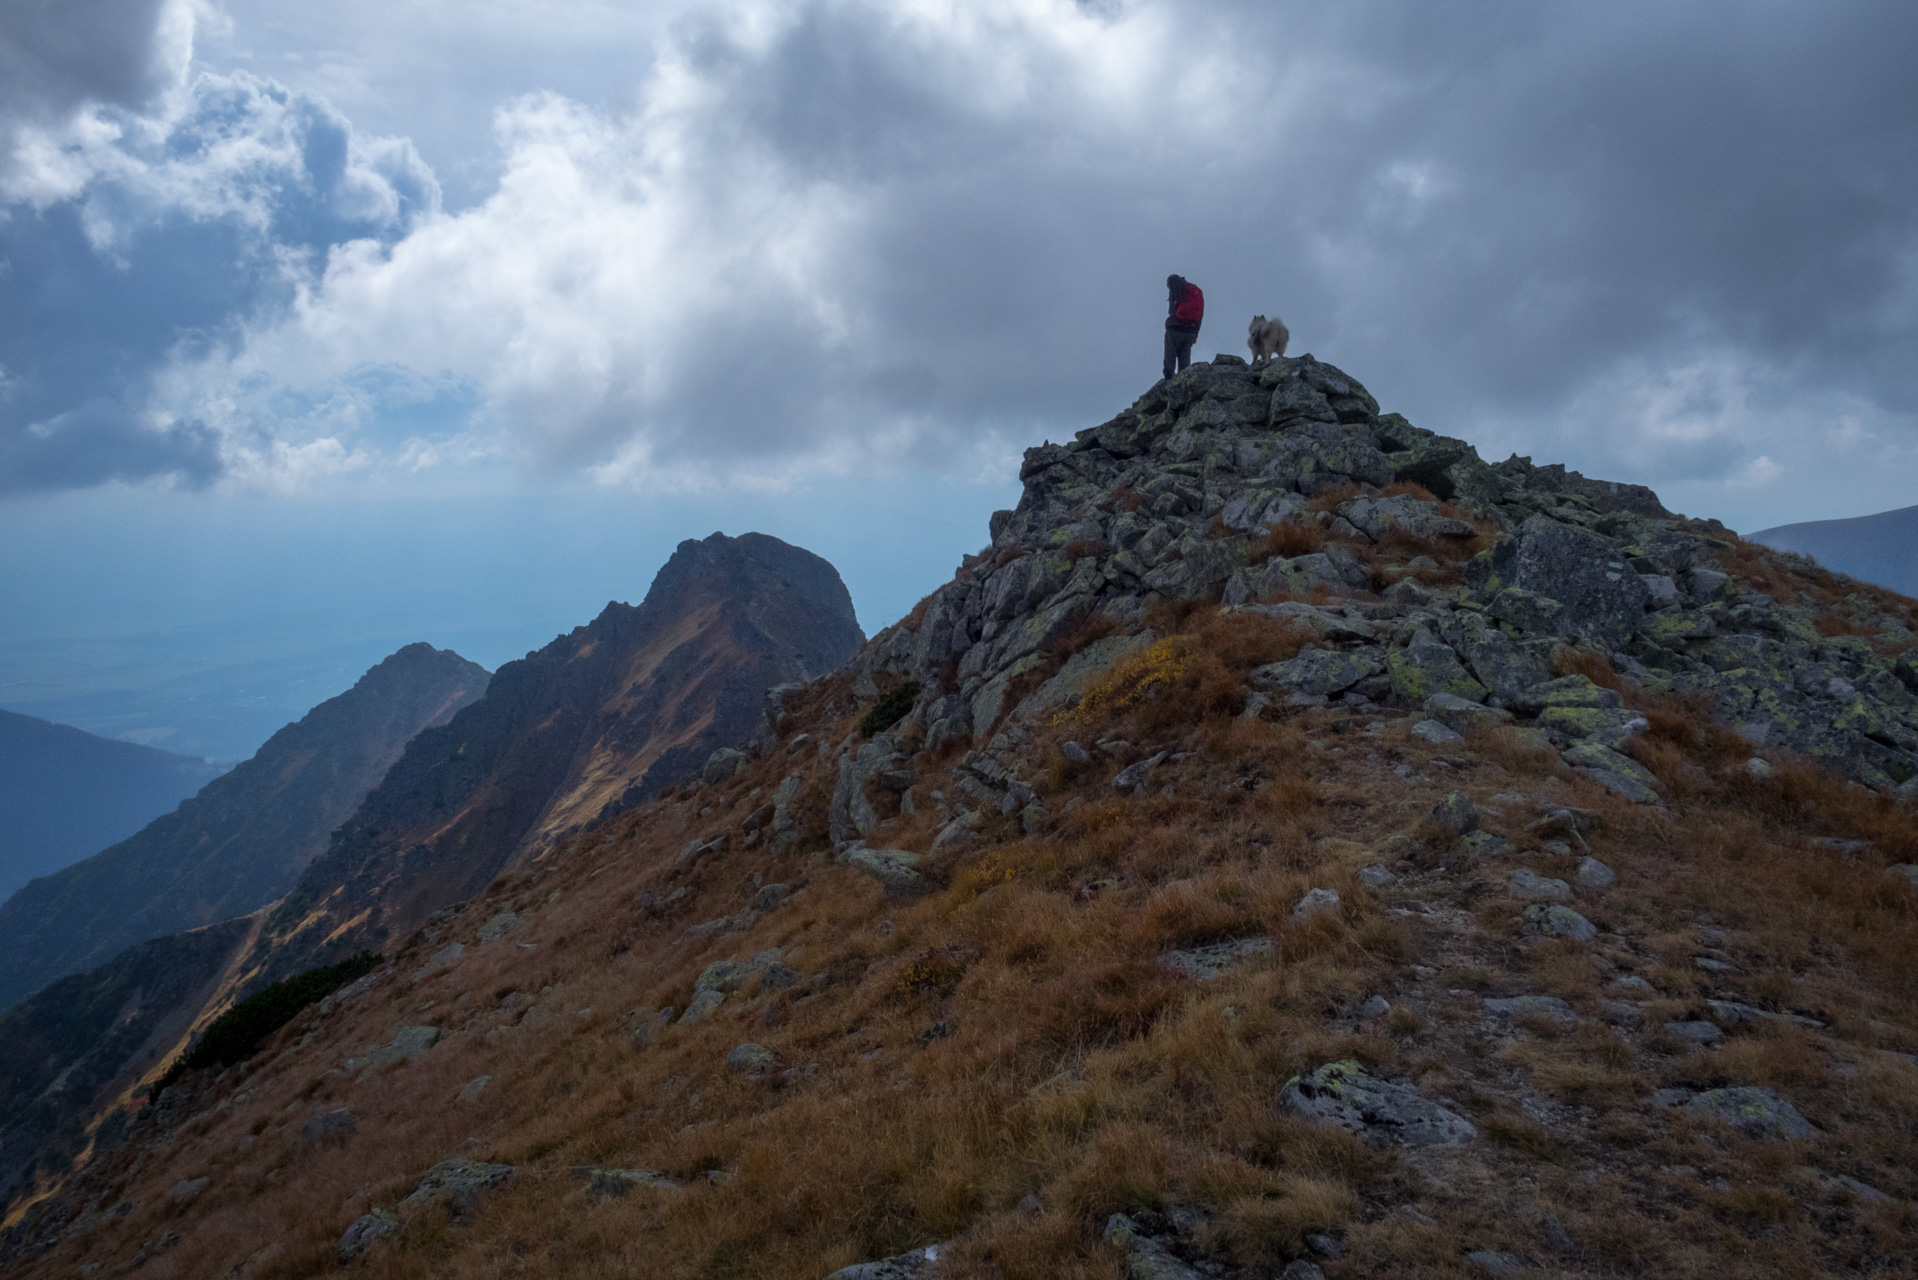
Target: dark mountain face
244 839
594 723
65 793
1881 548
62 1049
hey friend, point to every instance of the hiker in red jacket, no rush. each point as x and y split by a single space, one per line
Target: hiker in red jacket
1184 310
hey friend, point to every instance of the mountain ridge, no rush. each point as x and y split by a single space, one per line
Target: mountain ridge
243 839
1881 547
66 793
1306 849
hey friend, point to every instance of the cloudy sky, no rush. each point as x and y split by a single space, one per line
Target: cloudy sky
418 315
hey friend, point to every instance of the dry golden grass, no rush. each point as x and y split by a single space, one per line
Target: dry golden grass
1011 1032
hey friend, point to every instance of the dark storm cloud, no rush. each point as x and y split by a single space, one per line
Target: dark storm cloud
56 55
1668 242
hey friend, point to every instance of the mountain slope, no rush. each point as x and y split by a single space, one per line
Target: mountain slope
244 839
64 1047
1881 548
65 793
597 721
1280 871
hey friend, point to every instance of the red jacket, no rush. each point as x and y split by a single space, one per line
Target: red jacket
1185 306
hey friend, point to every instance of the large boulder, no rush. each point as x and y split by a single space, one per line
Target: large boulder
1598 594
1318 672
1403 514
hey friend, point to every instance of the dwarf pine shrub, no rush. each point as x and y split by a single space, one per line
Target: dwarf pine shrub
238 1032
890 709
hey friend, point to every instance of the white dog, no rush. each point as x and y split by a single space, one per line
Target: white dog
1267 338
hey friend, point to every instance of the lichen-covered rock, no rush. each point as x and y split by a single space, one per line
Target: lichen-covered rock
1412 517
1380 1113
1531 1006
610 1184
459 1184
366 1231
1759 1113
1462 715
1533 887
1599 595
751 1057
1146 1258
914 1264
1554 921
1318 672
893 868
1208 962
1456 814
1424 665
1619 774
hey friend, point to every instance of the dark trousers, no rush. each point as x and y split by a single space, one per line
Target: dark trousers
1178 348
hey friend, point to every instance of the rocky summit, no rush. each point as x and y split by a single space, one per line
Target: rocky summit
1293 847
1202 488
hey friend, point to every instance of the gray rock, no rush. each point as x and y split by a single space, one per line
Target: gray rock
751 1057
610 1184
1709 965
1665 1099
365 1232
1730 1013
1842 1186
1462 715
957 834
1413 517
498 927
406 1045
1759 1113
1593 874
1699 1033
1375 1007
1905 871
1316 902
1531 1006
1567 692
1207 963
1132 777
725 976
1063 691
1435 733
188 1188
1620 1013
893 868
1499 1266
1380 1113
460 1184
1759 769
474 1088
1075 753
1425 665
1597 593
1146 1258
1527 883
785 824
336 1125
702 1004
1455 814
722 765
1376 876
1621 775
442 960
768 896
1318 672
1554 921
902 1266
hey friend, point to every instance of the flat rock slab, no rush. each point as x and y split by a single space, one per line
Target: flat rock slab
607 1184
1207 963
1380 1113
910 1265
1529 884
460 1184
893 868
1758 1113
1531 1006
